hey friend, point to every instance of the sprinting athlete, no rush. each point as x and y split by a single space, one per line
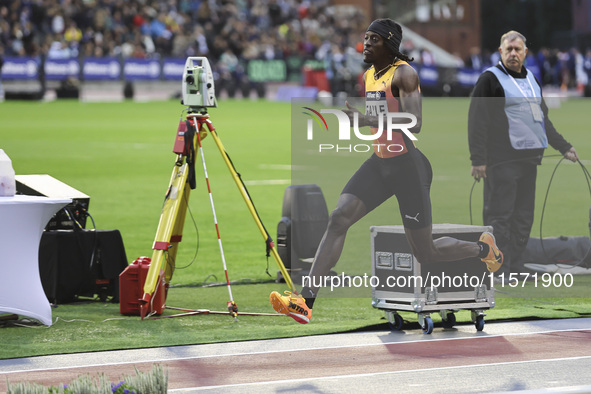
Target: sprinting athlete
397 167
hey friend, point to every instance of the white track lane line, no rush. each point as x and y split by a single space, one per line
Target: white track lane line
300 349
367 375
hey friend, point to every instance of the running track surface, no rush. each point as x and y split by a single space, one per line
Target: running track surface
539 356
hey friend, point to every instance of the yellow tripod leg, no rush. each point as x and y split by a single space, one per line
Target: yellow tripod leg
177 233
171 220
251 208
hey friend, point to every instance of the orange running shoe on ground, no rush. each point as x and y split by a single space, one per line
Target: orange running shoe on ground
291 305
494 258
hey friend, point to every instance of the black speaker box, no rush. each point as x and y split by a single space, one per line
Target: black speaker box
71 216
284 241
81 263
303 223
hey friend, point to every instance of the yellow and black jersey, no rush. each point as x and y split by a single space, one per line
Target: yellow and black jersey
379 100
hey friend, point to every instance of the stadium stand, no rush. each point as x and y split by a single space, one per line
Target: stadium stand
248 42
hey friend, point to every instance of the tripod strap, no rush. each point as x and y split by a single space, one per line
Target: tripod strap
190 153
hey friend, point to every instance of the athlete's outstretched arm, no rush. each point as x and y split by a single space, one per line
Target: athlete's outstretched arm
406 81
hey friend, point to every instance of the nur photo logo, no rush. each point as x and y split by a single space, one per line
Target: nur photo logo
317 118
386 125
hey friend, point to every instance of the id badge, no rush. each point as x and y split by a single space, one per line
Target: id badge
536 112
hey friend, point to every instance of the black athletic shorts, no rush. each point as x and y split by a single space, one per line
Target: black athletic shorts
408 177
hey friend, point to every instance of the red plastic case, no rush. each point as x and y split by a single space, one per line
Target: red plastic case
131 289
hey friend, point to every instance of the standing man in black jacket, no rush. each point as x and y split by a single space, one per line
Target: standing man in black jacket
508 130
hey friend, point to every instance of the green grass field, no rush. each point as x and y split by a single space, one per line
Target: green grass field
120 154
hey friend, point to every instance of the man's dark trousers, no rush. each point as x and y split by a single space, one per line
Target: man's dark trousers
509 203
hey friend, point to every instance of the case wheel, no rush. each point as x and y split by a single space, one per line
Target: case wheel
479 323
428 325
449 320
395 321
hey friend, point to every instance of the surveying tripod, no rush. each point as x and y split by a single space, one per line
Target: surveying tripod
172 219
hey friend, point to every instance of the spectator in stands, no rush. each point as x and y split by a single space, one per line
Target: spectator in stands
587 69
1 64
139 51
427 58
59 49
531 62
201 41
73 33
16 37
475 61
57 22
184 43
580 74
495 57
543 61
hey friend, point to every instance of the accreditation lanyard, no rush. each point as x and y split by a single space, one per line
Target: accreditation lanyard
535 108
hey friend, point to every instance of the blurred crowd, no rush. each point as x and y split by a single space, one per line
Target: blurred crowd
228 32
566 69
178 28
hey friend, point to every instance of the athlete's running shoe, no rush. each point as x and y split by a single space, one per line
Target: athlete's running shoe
292 305
494 258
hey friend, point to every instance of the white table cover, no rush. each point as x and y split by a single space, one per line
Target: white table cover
22 220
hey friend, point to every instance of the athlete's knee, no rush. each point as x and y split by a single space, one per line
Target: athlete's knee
339 221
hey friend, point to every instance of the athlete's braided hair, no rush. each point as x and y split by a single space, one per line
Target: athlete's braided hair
391 32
